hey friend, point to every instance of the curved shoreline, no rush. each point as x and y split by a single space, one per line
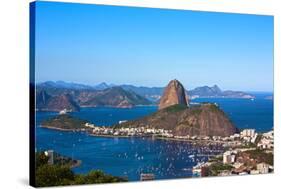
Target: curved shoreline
195 141
61 129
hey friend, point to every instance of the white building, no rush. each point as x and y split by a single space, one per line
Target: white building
253 139
229 157
248 133
236 165
122 121
89 125
254 172
263 168
269 134
50 155
150 130
266 143
234 136
64 111
225 173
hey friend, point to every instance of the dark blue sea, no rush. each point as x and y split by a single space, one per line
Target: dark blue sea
128 157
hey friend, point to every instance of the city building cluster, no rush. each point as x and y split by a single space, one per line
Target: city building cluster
266 141
129 131
246 136
243 159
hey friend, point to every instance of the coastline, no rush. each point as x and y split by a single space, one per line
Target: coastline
195 142
113 136
61 129
210 142
212 163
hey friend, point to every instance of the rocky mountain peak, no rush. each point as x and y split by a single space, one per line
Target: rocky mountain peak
173 94
216 89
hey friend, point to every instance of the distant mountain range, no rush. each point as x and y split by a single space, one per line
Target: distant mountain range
59 97
151 93
114 97
64 85
55 96
216 92
155 93
46 102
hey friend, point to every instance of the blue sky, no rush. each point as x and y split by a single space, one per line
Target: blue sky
124 45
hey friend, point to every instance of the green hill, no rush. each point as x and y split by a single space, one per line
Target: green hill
64 122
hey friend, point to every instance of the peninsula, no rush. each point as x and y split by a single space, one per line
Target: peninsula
64 122
175 115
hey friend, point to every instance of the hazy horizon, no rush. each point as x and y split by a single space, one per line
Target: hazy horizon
95 84
90 44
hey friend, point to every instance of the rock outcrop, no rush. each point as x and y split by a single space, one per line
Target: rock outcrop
174 94
57 99
112 97
61 102
46 102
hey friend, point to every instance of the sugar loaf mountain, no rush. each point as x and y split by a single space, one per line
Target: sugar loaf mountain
175 114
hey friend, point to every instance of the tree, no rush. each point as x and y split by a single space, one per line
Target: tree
97 176
41 159
53 175
59 174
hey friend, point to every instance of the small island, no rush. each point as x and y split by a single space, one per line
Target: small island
64 122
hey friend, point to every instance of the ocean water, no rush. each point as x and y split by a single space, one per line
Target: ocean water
128 157
246 113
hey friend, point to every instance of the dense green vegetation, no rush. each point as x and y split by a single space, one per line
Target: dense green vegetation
216 168
53 175
261 156
216 159
59 175
115 96
40 159
214 108
64 121
196 111
175 108
96 177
